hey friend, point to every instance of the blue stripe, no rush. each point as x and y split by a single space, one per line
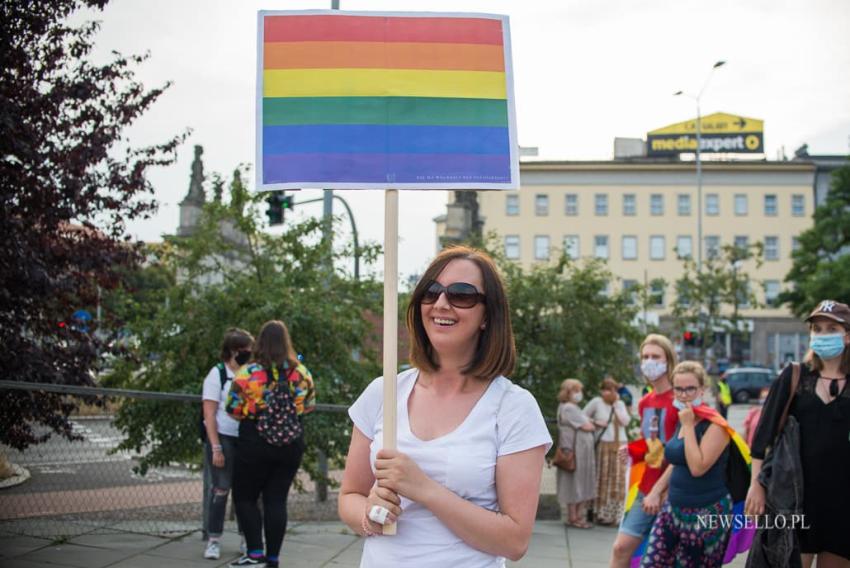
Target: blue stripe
384 139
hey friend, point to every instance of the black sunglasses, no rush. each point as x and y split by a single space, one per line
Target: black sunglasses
685 390
459 294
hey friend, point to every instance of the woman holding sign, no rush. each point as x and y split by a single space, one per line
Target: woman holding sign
463 485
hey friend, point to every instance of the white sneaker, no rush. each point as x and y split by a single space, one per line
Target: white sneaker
213 551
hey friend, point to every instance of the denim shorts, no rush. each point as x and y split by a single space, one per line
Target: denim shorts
637 522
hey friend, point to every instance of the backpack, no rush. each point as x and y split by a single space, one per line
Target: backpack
279 425
202 429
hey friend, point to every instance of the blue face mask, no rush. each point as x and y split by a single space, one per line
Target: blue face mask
681 405
827 346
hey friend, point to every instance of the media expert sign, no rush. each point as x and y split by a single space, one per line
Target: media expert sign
720 133
381 100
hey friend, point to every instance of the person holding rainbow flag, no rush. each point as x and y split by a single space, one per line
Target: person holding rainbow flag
658 419
695 523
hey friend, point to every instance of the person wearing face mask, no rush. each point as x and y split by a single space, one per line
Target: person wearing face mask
821 406
695 482
658 419
221 432
608 413
576 489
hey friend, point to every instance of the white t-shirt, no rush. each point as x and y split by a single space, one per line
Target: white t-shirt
213 391
505 420
598 410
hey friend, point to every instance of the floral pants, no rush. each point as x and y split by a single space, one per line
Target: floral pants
685 537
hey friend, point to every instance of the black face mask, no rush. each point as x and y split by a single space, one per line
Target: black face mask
243 357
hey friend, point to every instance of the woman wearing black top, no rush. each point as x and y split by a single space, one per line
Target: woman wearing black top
821 406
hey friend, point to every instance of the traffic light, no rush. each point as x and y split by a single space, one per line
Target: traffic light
690 338
278 202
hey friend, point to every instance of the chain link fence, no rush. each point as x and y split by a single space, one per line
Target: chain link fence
68 488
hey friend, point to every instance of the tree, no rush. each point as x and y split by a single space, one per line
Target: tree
566 324
821 267
230 272
68 184
711 298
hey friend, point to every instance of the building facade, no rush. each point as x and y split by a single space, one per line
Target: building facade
641 217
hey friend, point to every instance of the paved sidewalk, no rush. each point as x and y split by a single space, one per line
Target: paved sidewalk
308 545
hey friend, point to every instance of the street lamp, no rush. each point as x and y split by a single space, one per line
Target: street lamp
699 160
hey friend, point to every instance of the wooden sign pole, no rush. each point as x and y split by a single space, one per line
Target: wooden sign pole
390 324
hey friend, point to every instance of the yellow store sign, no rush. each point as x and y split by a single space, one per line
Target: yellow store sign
720 133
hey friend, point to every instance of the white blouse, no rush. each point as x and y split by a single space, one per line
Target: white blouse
505 420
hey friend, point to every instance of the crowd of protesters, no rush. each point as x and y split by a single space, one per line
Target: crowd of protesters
463 484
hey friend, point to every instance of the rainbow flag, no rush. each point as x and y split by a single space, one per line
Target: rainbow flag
385 101
742 535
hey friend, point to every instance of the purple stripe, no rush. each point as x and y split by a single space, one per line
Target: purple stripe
387 168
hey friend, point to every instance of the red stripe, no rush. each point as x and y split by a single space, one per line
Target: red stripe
382 28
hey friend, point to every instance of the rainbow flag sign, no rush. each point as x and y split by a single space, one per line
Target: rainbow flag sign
378 100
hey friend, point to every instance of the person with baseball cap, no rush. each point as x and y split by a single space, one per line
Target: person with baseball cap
821 406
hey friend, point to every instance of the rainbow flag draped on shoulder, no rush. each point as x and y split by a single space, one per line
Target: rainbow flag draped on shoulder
737 479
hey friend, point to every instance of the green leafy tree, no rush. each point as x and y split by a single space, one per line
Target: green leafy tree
821 267
232 273
711 298
567 324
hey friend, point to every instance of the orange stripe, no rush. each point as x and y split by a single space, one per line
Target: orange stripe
379 55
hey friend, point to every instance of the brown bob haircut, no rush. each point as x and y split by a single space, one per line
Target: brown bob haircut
495 353
235 340
273 347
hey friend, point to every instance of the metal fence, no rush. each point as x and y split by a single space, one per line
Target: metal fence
87 485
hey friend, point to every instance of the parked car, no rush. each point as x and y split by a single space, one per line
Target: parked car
745 383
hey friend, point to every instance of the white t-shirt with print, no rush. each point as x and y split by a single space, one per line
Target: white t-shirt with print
505 420
213 391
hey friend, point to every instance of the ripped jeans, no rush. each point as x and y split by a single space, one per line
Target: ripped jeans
222 481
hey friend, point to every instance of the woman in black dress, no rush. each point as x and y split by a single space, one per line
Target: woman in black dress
821 406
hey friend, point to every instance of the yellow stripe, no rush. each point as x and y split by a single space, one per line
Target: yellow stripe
383 83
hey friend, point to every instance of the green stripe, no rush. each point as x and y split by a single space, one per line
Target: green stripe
420 111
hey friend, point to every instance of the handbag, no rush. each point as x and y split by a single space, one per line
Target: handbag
782 477
564 460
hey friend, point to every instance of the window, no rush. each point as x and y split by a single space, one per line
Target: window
512 205
684 247
571 204
712 246
683 293
798 205
541 204
740 204
742 242
771 292
771 248
743 295
628 286
630 247
712 204
656 293
571 246
629 205
656 204
600 246
512 247
656 247
795 244
770 205
683 204
600 201
541 247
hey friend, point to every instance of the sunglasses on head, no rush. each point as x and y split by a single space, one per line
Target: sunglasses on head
459 294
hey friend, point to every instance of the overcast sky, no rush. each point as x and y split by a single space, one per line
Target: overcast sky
585 72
